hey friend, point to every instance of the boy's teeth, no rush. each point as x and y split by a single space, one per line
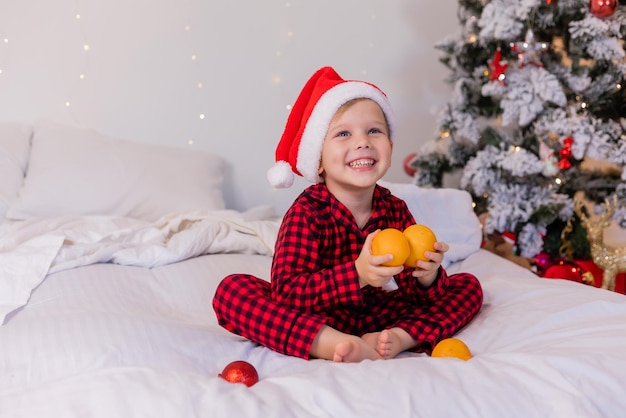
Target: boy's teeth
362 163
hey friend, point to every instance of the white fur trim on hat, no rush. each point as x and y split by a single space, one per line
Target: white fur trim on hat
310 149
280 175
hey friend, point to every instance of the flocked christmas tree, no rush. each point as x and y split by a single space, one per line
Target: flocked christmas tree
537 116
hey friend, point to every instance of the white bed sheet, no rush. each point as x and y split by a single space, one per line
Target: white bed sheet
107 340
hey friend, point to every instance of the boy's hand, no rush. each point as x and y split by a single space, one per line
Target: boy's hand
426 271
370 268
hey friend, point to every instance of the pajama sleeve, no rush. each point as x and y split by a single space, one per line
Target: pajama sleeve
306 277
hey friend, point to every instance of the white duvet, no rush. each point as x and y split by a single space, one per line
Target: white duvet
108 340
29 250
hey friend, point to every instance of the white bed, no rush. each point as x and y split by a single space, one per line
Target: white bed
109 315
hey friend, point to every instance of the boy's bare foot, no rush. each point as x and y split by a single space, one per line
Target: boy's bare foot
334 345
389 342
353 351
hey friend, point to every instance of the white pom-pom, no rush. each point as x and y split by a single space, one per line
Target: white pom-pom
280 176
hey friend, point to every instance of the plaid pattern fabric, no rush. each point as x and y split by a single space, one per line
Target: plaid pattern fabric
314 281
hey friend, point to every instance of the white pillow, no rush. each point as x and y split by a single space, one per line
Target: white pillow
448 212
14 149
82 172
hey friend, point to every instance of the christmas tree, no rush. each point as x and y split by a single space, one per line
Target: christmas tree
537 116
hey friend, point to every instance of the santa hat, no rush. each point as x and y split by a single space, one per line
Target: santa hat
300 147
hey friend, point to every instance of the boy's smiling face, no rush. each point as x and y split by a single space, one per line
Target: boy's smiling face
357 150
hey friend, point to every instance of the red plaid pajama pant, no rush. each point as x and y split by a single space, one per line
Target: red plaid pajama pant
243 306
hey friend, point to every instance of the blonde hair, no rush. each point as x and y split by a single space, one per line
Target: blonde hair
351 102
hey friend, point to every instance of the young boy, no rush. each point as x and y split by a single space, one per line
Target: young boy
326 298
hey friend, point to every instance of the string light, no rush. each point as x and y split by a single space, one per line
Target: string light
277 79
199 84
6 41
86 48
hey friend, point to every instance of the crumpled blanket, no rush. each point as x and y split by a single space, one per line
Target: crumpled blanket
32 249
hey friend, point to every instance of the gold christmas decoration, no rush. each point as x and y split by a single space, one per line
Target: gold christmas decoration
610 259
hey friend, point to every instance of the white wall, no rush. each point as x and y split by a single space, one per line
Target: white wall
141 83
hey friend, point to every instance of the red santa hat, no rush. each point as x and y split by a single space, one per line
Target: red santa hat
300 147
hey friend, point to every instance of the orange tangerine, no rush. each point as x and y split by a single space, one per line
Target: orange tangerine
421 239
391 241
452 347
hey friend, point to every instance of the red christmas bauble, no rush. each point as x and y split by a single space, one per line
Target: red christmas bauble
564 164
408 169
568 142
240 372
565 152
542 261
564 269
602 8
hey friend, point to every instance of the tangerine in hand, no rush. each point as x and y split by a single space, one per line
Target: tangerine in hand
421 239
391 241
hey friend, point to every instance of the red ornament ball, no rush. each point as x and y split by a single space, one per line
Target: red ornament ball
542 261
602 8
564 269
565 152
568 142
240 372
408 169
564 164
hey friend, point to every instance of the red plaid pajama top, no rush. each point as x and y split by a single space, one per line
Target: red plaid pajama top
314 282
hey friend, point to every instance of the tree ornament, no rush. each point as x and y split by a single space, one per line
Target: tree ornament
543 260
497 67
550 163
610 259
240 371
602 8
566 153
528 51
564 164
569 270
407 164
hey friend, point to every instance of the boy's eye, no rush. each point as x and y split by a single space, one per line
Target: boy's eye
375 131
343 133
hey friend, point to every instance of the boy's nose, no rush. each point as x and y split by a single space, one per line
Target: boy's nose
362 141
